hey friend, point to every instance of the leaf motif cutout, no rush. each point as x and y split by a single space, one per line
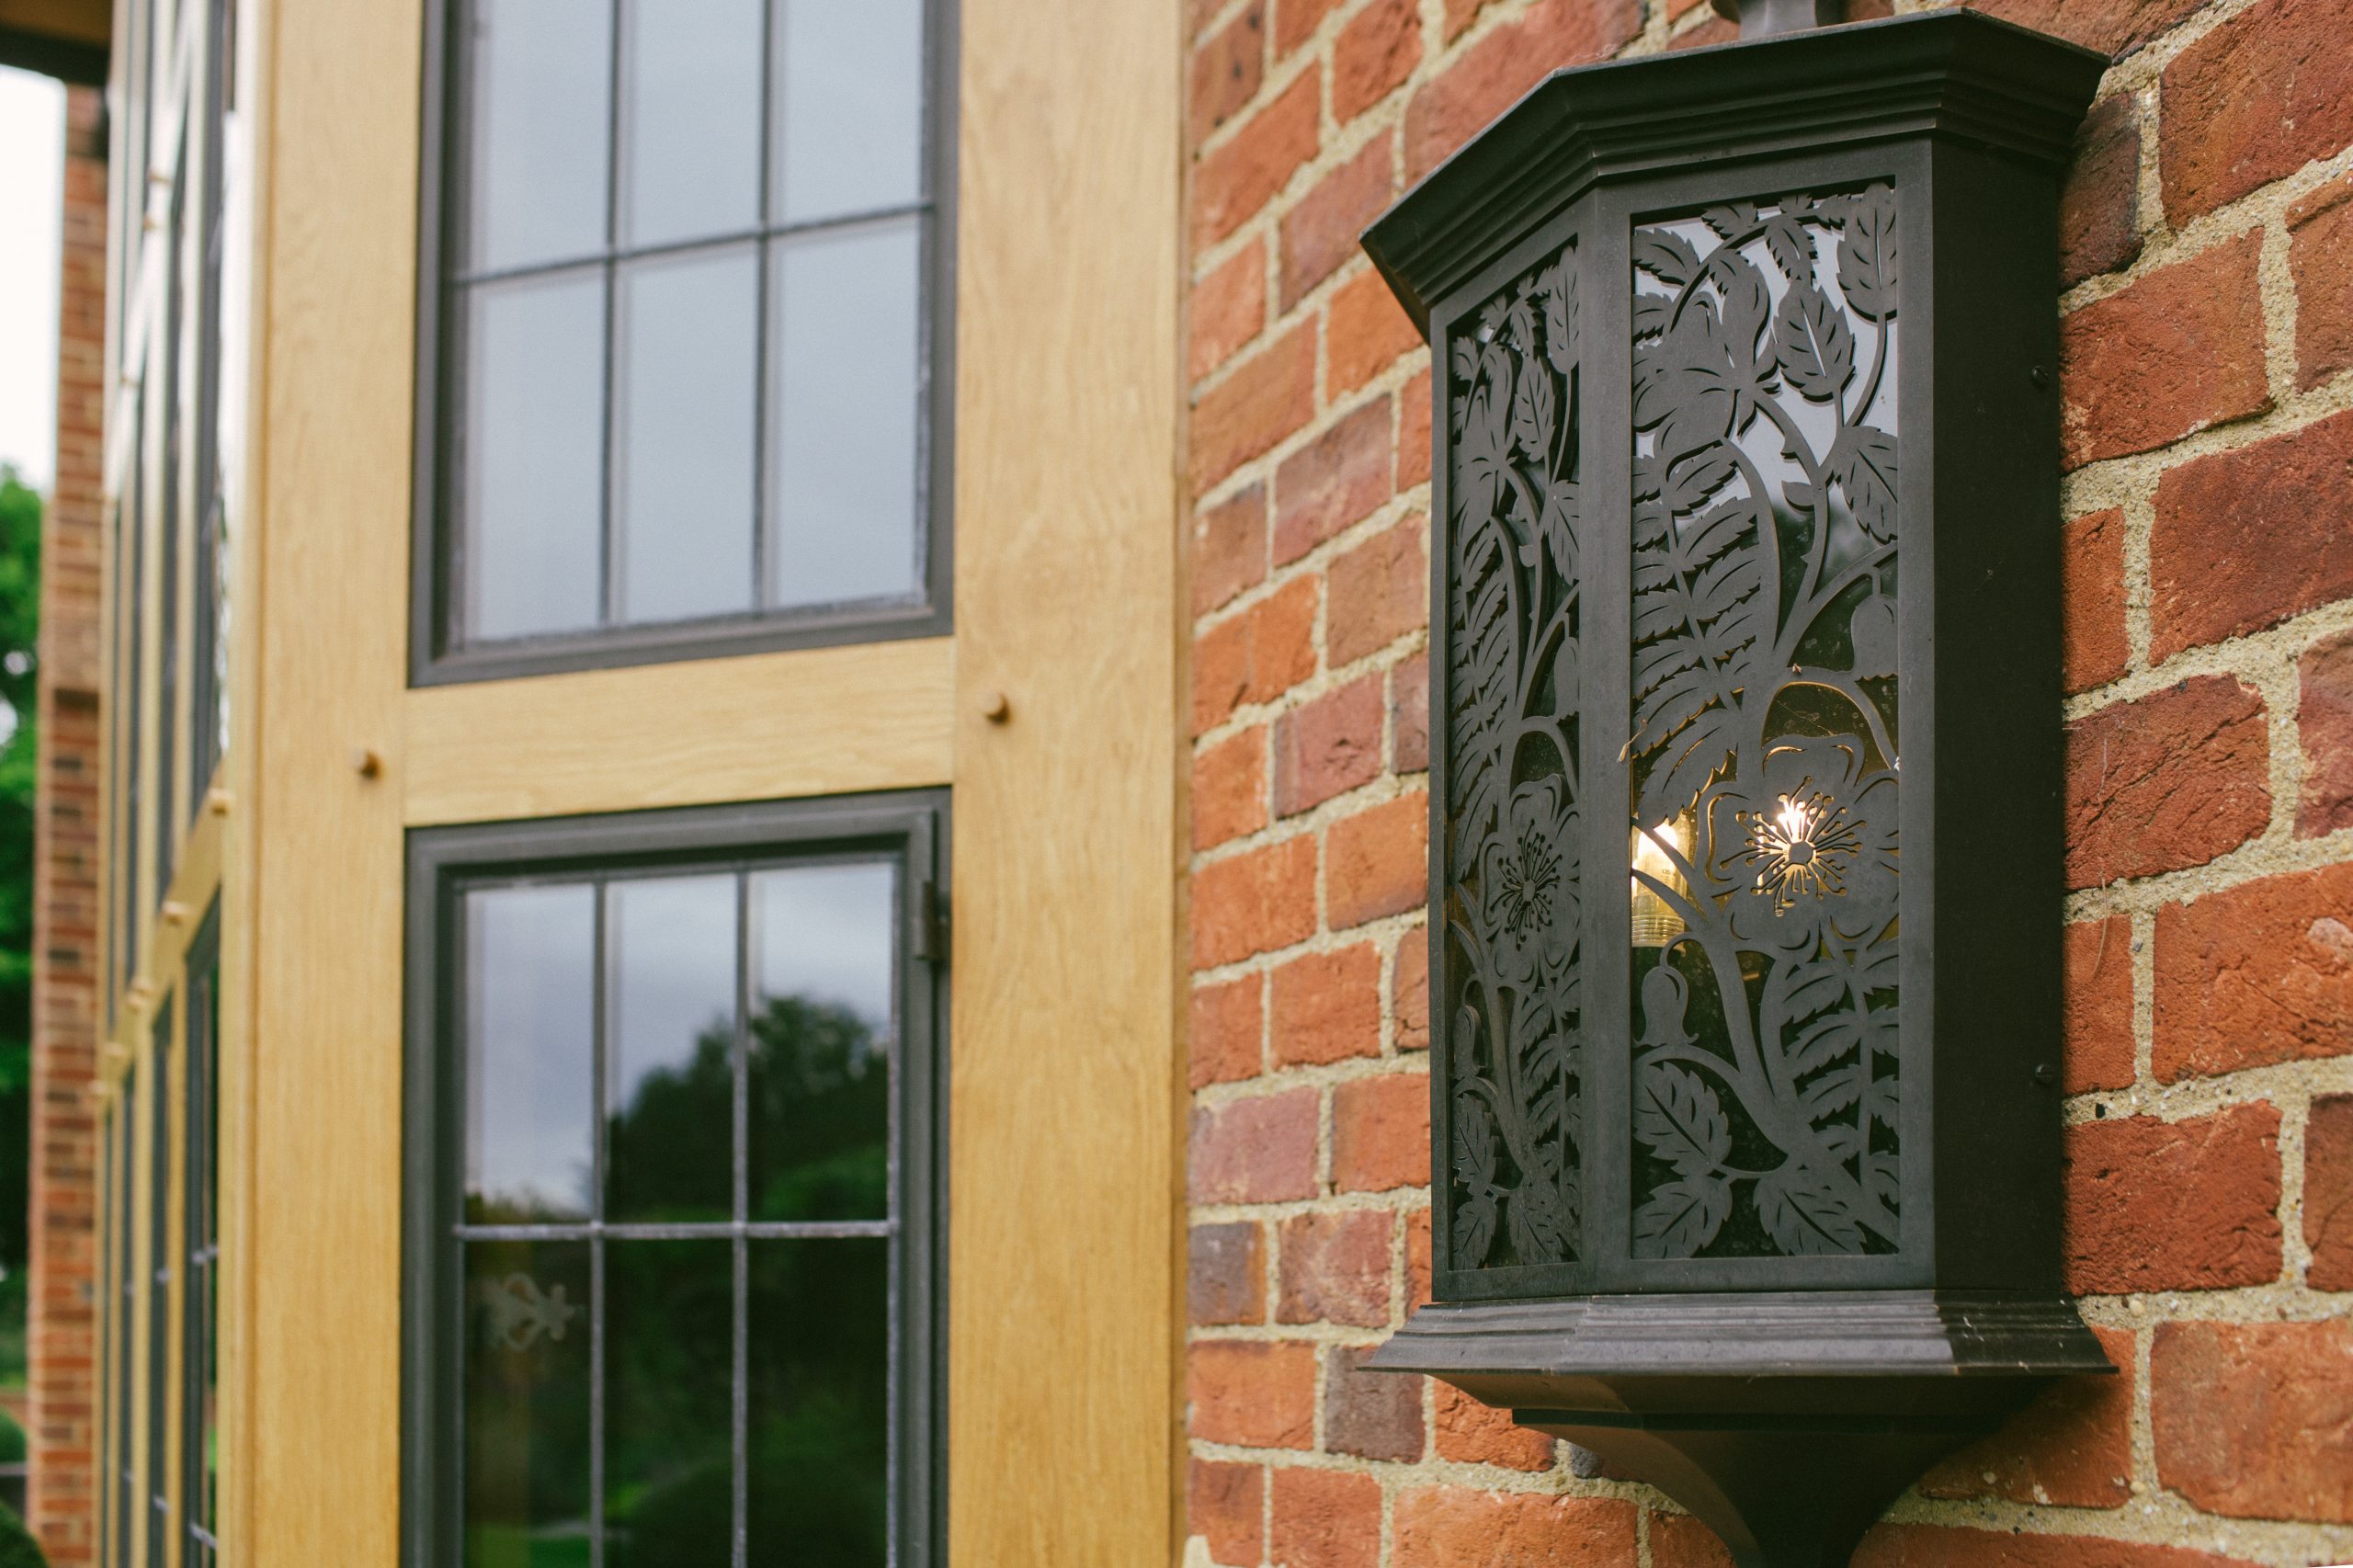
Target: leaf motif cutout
1812 343
1563 328
1474 1141
1475 1231
1863 460
1532 406
1803 1214
1680 1217
1665 255
1866 266
1678 1117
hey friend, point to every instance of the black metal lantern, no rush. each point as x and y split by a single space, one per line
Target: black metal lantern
1745 857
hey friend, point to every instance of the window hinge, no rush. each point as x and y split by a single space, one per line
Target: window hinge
931 924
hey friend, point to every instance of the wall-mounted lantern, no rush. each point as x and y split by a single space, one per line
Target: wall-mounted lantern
1746 838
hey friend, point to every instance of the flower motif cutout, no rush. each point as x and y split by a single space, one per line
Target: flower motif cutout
1814 848
1531 902
1801 849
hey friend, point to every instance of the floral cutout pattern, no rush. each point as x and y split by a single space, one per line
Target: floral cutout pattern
1506 949
1763 754
516 1312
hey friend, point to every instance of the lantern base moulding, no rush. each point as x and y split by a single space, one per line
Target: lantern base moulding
1786 1421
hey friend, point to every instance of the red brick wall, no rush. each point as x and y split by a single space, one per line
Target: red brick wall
61 1346
2208 305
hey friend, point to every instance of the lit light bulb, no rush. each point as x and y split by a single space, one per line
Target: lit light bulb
1656 922
1797 822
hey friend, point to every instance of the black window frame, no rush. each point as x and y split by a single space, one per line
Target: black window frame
199 1248
435 657
160 1275
443 865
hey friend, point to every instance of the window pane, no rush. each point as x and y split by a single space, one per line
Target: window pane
847 414
532 455
670 1153
818 1488
824 1030
669 1404
691 129
541 77
849 120
528 1405
686 384
530 1030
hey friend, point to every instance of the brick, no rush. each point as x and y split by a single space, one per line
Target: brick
1334 1267
1327 748
1417 1259
1252 1394
1460 13
1267 397
2097 1006
1374 53
1409 715
2092 650
1326 1519
1679 1541
1378 861
2255 974
2170 355
1374 1416
2073 1447
2320 260
2244 539
1225 1274
1334 480
1326 1006
1483 80
1229 309
1380 1133
1253 1151
1414 449
2170 781
1229 797
1941 1546
1228 548
1224 1026
1461 1527
1233 181
1412 988
1319 235
1257 656
1296 21
1365 331
2099 218
2328 1192
1716 29
1472 1433
2187 1205
2264 93
1228 69
1225 1505
1255 903
1377 592
2325 731
2255 1420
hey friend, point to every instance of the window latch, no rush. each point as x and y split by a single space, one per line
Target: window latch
931 924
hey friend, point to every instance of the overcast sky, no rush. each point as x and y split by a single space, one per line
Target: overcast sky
32 143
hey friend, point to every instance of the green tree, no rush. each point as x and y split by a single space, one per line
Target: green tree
20 514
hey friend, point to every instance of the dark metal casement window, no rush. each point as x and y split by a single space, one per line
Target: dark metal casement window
200 1212
209 671
159 1285
672 1295
684 326
122 1286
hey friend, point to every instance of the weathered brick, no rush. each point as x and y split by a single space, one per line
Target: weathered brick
1679 1541
2246 539
1377 862
1236 178
1328 747
2264 93
1319 235
2099 219
1946 1546
1334 1267
2320 259
1334 480
1225 1273
1417 1259
2255 1420
1376 49
1414 449
1377 592
1256 656
1460 13
1411 989
1472 1433
1268 395
1409 715
1326 1519
1228 548
2178 350
1255 903
1225 1505
2096 1007
1462 1527
1253 1151
1228 68
1326 1006
1224 1025
2255 974
2328 1192
1229 309
1483 80
1296 21
2325 731
1374 1416
2072 1447
1365 331
1380 1133
2187 1205
2171 780
1252 1394
1229 795
2092 650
